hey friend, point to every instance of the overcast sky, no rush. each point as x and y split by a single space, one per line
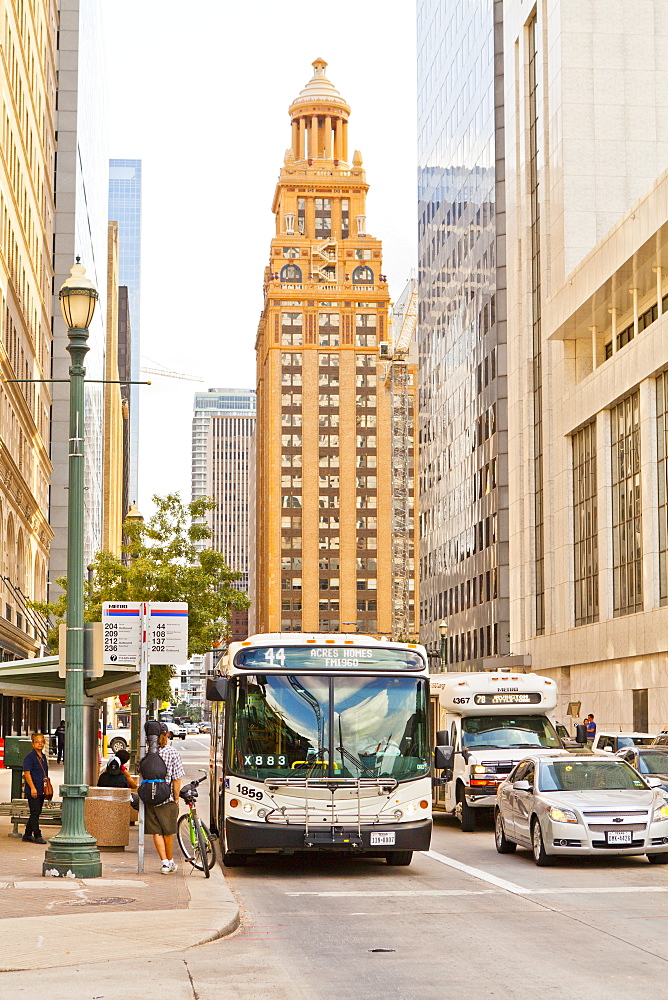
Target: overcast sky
200 94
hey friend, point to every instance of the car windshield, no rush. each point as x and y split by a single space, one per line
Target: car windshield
637 741
342 727
586 775
508 731
653 762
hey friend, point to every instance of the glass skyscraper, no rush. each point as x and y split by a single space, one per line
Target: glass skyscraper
462 408
125 208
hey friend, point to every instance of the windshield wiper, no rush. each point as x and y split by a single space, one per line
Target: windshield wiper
351 758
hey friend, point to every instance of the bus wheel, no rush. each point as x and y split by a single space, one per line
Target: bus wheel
464 813
399 858
234 860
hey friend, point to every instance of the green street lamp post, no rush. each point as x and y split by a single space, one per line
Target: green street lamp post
73 849
443 629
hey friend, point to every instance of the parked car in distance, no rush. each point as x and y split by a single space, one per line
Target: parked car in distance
612 742
191 728
205 727
648 760
563 804
118 739
661 740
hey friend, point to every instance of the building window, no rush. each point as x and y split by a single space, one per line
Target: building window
345 218
626 507
640 710
363 275
301 215
323 218
291 273
662 481
585 525
290 223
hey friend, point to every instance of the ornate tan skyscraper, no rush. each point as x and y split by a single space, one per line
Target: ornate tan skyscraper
323 480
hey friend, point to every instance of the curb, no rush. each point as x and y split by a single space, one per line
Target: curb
49 942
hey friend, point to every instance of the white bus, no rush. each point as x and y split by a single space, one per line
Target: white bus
489 721
321 743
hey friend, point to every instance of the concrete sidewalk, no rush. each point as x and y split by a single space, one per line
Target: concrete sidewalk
48 922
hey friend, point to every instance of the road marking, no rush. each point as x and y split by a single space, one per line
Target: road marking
501 883
401 892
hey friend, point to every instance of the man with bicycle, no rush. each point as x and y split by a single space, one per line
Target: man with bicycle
161 821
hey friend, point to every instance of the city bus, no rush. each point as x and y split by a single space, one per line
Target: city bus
320 742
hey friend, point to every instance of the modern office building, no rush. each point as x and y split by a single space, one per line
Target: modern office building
586 140
28 73
324 451
81 182
125 190
462 410
223 424
113 511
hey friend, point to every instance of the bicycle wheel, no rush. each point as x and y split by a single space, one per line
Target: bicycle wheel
202 857
184 830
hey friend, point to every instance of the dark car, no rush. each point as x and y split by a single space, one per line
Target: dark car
648 760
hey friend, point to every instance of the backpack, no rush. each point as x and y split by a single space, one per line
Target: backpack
154 789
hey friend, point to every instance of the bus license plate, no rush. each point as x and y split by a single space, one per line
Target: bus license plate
616 837
382 839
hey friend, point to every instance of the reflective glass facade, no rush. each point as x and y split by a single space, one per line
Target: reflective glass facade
125 208
462 395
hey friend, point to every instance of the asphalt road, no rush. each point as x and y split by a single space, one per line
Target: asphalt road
461 921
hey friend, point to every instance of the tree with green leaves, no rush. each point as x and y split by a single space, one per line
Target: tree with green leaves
163 561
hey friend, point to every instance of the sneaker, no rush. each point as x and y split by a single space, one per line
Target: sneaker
173 867
168 867
27 838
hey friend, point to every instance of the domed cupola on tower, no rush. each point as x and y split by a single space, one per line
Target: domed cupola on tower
320 120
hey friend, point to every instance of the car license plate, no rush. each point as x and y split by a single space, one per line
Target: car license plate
382 839
614 838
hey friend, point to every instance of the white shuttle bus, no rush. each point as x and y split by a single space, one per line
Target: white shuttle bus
488 722
321 743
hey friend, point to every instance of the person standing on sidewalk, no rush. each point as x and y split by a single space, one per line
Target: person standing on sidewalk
35 771
60 741
161 821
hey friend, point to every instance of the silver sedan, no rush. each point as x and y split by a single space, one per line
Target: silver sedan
562 804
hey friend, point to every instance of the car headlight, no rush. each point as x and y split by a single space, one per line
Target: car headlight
660 813
562 815
479 769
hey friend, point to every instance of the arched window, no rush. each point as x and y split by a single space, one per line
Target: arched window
291 273
363 275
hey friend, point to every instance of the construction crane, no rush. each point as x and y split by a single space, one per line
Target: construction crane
168 373
397 378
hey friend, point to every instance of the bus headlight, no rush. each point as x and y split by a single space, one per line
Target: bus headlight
247 807
261 813
411 808
398 814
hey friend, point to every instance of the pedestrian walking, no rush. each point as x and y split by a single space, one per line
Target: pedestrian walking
60 741
37 786
161 820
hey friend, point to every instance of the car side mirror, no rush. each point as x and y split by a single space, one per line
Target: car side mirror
216 688
522 786
443 756
653 782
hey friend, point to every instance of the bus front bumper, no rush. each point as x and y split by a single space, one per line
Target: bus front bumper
244 837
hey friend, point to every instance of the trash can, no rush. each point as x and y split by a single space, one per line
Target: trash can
107 817
16 750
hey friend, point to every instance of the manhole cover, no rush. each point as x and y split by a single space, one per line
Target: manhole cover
104 901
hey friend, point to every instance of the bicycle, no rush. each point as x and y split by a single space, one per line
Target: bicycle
194 838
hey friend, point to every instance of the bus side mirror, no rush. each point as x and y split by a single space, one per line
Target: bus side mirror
443 757
216 688
442 738
581 734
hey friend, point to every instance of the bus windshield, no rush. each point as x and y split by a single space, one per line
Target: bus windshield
342 727
506 731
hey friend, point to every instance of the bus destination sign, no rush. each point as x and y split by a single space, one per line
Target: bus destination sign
531 698
327 658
